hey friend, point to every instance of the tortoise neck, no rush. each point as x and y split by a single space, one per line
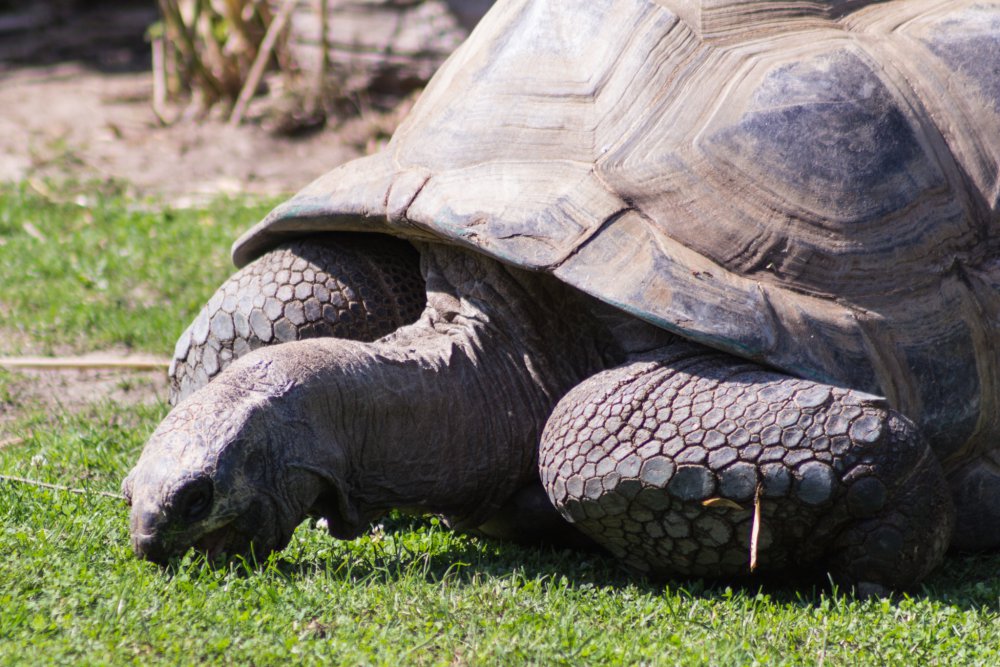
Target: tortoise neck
445 415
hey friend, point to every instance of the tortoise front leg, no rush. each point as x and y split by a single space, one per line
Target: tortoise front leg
353 286
675 461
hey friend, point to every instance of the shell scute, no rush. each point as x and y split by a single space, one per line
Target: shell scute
825 134
964 51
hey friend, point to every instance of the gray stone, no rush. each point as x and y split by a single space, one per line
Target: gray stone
613 503
792 436
714 439
713 531
692 455
676 526
215 303
241 347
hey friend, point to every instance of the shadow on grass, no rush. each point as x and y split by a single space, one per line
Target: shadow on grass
967 582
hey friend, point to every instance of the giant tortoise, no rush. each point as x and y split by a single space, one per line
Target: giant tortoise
721 277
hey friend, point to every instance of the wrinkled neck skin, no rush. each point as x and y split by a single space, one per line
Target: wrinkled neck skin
443 416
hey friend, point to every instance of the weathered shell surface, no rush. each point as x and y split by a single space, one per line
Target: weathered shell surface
812 185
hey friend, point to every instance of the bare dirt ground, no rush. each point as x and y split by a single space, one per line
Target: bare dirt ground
75 106
70 122
72 390
75 103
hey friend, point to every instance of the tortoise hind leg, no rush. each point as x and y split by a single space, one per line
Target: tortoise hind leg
975 488
671 462
357 286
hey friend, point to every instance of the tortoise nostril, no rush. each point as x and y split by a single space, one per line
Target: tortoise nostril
151 548
145 522
194 500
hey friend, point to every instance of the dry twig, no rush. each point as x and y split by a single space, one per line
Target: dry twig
83 363
260 62
60 487
755 531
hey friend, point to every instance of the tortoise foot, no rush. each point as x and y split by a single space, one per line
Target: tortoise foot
359 287
690 462
975 488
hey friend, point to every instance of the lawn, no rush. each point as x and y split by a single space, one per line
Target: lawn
127 275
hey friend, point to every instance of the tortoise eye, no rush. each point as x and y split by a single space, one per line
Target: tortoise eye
194 500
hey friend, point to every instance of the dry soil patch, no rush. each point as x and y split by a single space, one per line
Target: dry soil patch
71 390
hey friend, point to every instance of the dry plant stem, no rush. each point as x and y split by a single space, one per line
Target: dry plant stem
59 487
324 44
260 62
10 442
224 69
159 80
185 42
73 363
233 11
755 531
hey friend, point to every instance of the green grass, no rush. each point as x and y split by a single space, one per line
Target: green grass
114 274
410 592
70 591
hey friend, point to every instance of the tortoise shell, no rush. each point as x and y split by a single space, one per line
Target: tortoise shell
810 185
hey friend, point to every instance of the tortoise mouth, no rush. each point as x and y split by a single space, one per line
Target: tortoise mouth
216 542
229 543
252 536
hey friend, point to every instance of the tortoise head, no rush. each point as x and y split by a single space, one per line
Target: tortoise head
233 469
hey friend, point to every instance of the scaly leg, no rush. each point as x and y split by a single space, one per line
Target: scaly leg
674 461
355 286
975 488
